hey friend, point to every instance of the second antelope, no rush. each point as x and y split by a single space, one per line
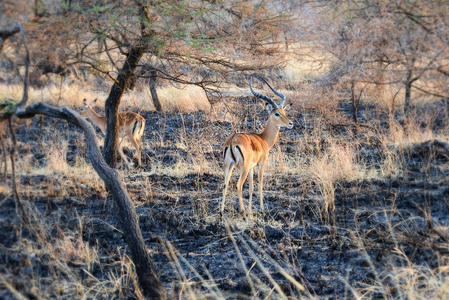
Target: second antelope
248 150
130 125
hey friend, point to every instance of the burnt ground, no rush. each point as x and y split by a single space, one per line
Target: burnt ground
376 223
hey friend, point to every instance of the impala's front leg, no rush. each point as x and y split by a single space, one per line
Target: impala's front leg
261 168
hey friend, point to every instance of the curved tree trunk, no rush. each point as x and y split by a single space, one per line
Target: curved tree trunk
146 273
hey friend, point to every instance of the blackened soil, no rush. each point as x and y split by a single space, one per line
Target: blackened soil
357 243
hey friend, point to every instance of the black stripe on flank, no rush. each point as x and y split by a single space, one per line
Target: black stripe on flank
135 126
232 153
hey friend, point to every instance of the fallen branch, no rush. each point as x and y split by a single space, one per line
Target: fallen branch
438 148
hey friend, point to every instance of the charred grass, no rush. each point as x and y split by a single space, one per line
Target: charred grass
348 215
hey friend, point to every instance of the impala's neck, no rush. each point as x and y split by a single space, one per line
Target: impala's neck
270 134
98 120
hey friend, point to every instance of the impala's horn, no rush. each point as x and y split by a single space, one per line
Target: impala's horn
276 92
266 98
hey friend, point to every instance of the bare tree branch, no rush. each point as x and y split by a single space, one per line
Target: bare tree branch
5 34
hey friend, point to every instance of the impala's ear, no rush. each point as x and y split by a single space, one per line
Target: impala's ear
84 102
287 106
93 102
269 108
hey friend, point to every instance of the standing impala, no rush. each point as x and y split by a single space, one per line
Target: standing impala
130 124
247 150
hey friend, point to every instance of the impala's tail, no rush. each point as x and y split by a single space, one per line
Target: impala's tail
235 152
138 128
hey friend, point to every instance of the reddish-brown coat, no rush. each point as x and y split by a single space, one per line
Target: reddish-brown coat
247 150
131 125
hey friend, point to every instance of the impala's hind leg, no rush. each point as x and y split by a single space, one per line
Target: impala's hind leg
123 155
139 151
227 176
243 175
137 143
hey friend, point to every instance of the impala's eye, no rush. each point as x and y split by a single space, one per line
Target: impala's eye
277 114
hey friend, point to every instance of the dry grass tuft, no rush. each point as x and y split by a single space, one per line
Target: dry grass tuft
337 163
407 280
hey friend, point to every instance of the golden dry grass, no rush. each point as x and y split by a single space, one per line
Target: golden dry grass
70 95
188 99
172 99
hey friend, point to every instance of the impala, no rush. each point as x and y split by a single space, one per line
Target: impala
130 124
248 150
